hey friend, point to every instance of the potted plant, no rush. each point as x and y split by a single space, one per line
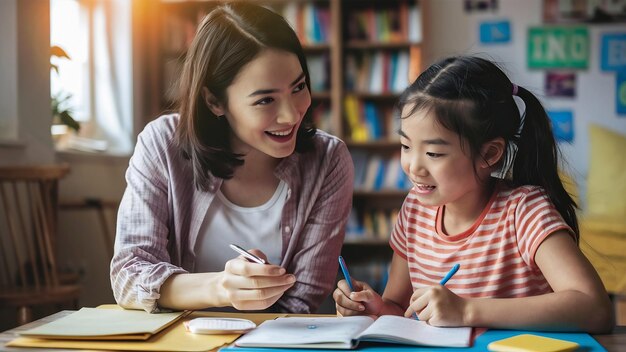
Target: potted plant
61 112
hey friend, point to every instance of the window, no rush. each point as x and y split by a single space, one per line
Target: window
95 82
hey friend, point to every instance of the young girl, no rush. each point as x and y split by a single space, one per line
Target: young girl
239 163
486 195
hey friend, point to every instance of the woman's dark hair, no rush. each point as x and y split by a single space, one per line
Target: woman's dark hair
473 97
228 38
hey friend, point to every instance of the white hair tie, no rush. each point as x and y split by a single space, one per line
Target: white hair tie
506 171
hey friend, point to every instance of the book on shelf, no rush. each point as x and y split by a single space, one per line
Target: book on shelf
373 172
373 122
374 223
400 78
381 72
310 21
318 71
354 227
395 178
368 225
383 226
311 24
377 77
415 24
354 117
368 120
393 24
347 332
359 158
363 79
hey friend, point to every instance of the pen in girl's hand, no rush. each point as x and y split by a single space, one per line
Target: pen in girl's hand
346 274
452 271
251 257
443 281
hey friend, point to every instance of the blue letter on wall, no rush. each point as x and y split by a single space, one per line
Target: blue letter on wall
614 52
562 125
495 32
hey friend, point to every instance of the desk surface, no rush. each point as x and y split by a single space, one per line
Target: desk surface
612 342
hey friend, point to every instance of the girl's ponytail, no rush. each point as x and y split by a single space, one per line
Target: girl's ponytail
537 159
474 98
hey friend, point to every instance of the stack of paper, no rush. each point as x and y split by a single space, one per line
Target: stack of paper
126 330
104 324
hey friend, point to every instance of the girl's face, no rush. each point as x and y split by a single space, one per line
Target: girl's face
266 103
432 157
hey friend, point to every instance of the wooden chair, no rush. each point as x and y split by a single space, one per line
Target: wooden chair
28 221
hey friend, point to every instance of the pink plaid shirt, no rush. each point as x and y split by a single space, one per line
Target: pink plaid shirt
161 212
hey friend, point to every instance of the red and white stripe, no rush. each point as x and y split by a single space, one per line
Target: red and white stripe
496 253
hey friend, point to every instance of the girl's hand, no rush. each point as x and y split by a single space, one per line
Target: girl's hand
363 301
438 306
252 286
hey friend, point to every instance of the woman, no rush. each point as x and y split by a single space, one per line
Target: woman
240 163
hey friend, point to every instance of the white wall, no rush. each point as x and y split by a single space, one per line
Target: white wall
26 66
82 238
452 31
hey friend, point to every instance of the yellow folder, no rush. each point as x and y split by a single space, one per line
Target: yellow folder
531 343
173 338
104 324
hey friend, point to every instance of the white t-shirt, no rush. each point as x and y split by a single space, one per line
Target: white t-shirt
226 223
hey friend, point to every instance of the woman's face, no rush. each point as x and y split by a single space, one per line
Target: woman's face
266 103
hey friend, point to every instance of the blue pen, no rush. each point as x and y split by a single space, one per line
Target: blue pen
445 279
346 274
450 273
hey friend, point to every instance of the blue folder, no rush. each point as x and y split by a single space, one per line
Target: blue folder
586 342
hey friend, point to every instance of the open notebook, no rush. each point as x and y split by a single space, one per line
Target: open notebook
346 332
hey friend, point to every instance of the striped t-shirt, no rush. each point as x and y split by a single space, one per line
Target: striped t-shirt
496 253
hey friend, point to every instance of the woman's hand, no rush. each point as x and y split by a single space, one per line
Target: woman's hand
438 306
363 301
252 286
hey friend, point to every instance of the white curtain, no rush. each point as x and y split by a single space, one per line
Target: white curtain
98 76
111 73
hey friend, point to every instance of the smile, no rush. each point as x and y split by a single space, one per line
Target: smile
423 188
282 136
282 133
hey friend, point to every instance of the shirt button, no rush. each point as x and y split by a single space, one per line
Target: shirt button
287 229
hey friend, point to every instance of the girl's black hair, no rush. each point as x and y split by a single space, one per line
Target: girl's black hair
228 38
473 97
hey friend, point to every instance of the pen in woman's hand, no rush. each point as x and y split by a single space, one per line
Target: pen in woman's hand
249 256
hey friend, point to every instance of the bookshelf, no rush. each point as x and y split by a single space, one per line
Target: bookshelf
361 55
382 52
